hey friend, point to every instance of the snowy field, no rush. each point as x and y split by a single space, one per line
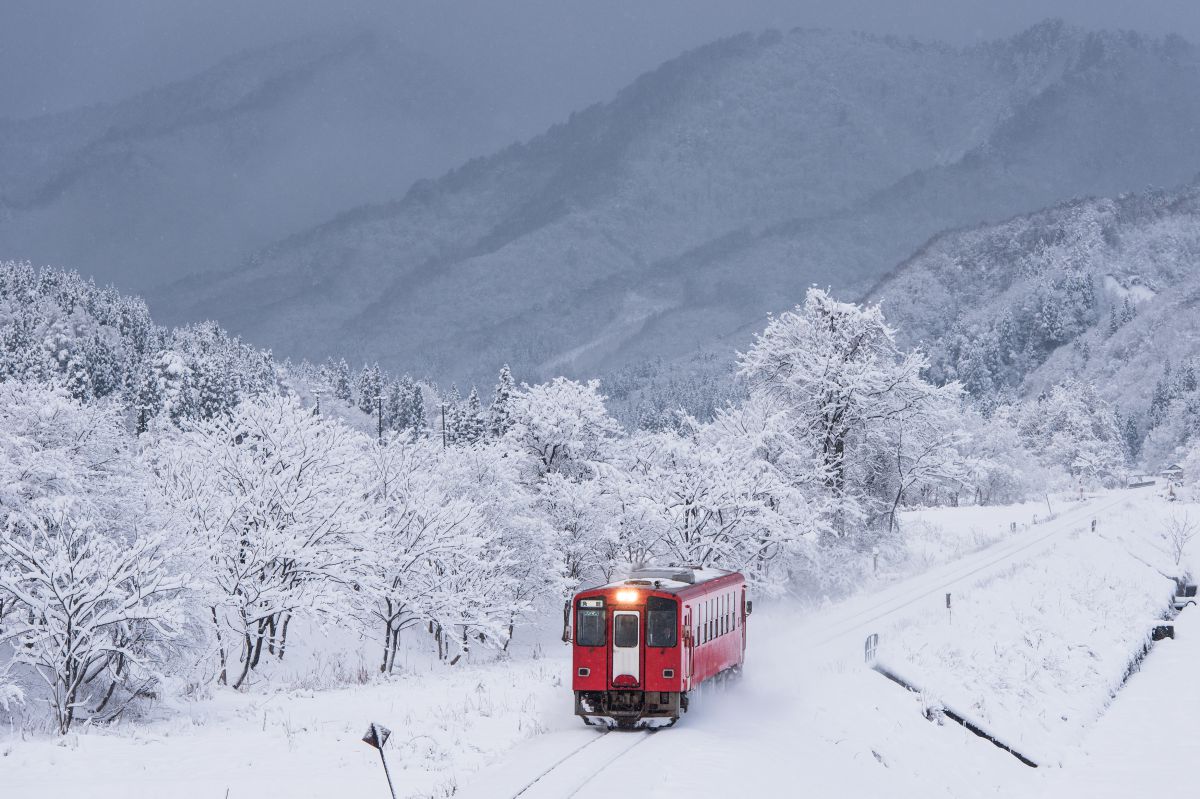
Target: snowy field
808 711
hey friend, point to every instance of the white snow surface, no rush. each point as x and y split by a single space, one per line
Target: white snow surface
1146 744
808 717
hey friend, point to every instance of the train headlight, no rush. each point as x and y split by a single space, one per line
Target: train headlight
627 596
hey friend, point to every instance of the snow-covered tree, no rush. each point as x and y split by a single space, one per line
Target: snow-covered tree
850 392
86 579
1073 429
271 497
563 425
339 381
500 413
369 389
472 425
708 504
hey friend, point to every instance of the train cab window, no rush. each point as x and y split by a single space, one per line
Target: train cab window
590 622
662 621
625 631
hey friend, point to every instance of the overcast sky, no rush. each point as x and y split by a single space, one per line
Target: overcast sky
542 57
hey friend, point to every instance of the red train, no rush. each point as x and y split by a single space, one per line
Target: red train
642 644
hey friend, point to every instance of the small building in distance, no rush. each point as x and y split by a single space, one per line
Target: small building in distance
1173 473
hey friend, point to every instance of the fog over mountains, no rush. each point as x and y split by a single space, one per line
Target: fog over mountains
708 193
196 175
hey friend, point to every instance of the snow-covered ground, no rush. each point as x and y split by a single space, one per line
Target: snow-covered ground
808 717
1146 743
1034 651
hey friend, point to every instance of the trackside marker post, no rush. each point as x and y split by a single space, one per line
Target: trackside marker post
377 736
949 610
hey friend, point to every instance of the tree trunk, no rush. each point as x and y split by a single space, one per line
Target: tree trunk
247 654
287 619
223 679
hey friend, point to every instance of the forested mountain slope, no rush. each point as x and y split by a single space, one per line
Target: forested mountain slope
198 174
1101 289
714 190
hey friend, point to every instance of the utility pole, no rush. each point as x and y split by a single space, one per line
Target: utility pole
379 413
443 425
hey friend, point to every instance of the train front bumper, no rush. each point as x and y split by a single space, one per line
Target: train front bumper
624 705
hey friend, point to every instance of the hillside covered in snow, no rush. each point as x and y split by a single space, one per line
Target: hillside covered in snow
713 190
1100 289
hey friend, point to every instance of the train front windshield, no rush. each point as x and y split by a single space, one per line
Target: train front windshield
662 621
589 623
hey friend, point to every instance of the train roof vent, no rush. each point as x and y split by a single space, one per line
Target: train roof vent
680 575
637 582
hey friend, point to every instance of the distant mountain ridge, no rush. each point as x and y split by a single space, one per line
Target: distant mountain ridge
198 174
712 191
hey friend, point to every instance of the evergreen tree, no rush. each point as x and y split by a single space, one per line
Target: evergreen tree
395 406
1160 399
472 424
148 398
500 414
340 381
452 416
370 388
415 419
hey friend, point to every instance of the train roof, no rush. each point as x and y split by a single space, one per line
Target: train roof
670 579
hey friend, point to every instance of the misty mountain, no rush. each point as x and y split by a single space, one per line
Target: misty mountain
713 190
1103 289
198 174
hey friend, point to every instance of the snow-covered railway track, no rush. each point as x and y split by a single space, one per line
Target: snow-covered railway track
572 772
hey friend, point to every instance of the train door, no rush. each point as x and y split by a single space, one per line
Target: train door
627 647
689 662
742 620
